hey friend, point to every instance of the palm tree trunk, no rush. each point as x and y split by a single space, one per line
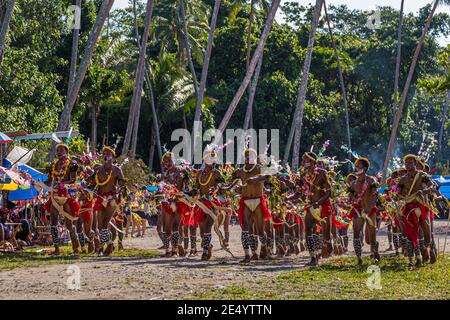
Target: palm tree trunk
406 90
297 123
252 92
5 26
249 33
82 69
188 46
251 68
398 61
149 92
151 154
341 77
441 131
134 113
201 91
2 6
74 54
93 108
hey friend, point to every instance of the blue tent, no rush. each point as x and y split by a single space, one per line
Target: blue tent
444 185
30 193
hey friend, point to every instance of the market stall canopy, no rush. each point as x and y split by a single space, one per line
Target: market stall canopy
4 138
444 185
20 155
31 192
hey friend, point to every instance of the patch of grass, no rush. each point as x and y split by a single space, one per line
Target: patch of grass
31 258
341 279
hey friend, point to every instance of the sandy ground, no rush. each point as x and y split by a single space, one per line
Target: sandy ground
156 278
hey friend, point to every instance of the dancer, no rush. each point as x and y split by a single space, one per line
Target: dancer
363 195
111 190
62 174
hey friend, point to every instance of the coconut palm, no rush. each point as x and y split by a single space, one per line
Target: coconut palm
297 122
341 77
74 53
251 68
398 60
102 14
412 68
5 25
133 117
201 90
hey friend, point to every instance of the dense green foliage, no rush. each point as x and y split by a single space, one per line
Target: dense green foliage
35 70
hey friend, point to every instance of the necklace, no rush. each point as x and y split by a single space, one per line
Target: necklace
63 171
247 171
104 182
207 180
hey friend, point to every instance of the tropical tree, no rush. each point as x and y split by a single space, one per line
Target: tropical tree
133 118
341 76
201 90
74 53
84 64
398 60
297 122
5 25
409 79
250 70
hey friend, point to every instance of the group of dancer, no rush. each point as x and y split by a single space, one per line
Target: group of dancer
289 212
282 212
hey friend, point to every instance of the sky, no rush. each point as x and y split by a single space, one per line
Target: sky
409 6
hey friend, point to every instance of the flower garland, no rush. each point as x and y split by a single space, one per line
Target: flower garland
62 173
101 184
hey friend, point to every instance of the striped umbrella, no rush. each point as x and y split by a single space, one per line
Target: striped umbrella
4 138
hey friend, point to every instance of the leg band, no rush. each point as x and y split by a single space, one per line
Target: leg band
310 245
193 242
206 241
263 240
357 247
245 240
55 235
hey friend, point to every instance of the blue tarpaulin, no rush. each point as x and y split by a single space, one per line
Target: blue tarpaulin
444 185
30 193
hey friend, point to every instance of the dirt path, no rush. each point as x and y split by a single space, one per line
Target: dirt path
153 278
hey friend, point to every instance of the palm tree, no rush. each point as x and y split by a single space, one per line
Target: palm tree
133 117
251 93
297 122
398 61
254 83
444 120
5 26
251 68
82 69
2 6
150 96
341 77
187 45
201 90
412 68
74 54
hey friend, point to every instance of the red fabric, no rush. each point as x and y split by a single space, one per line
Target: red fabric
199 214
98 205
187 218
166 206
411 222
355 208
71 202
277 219
263 206
86 215
297 219
337 223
